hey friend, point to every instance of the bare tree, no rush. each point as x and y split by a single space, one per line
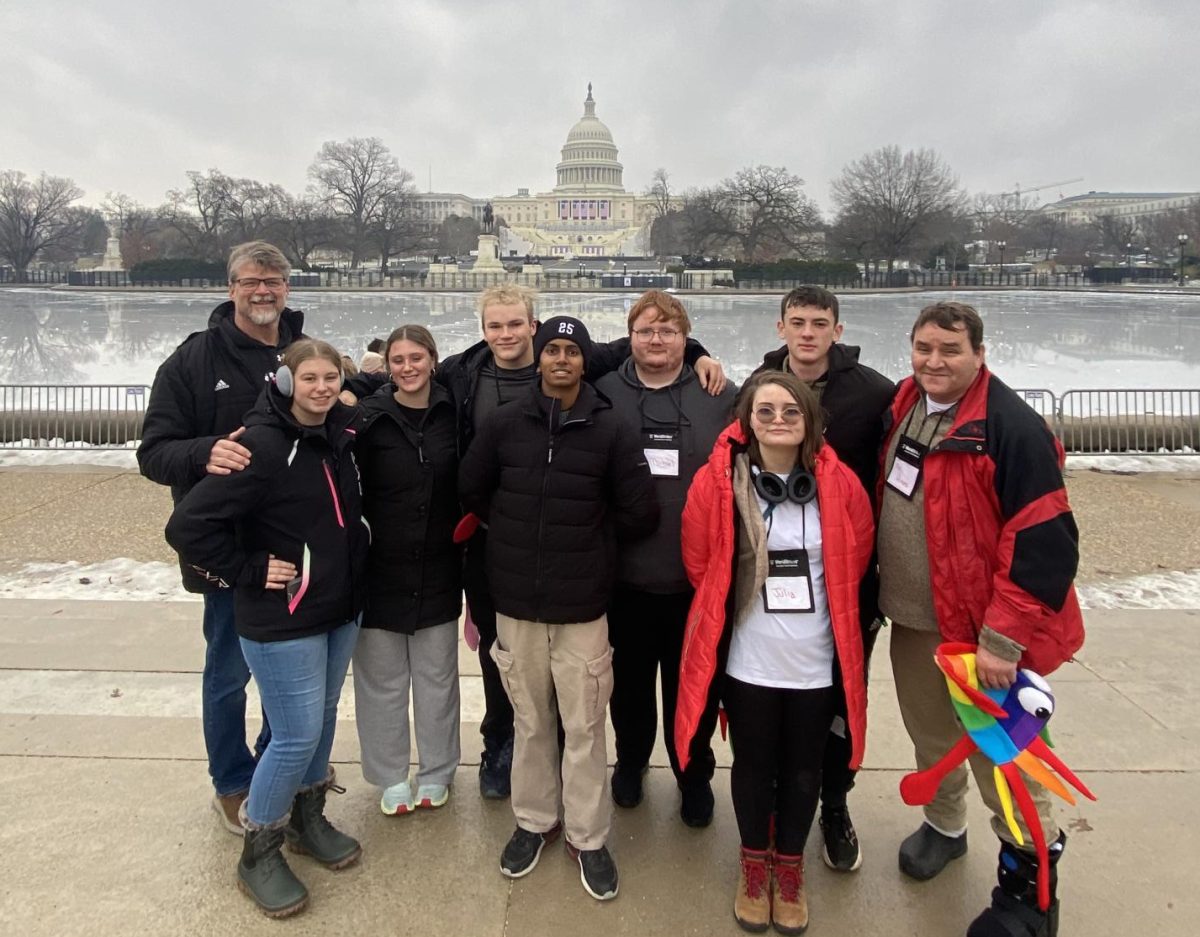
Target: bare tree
660 191
760 213
395 228
197 213
252 210
137 226
306 226
704 226
895 195
358 179
36 215
769 213
1115 231
1004 216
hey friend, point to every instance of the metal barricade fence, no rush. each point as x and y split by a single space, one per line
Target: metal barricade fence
59 416
1130 421
1043 401
106 416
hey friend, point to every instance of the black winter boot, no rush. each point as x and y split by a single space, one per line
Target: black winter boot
1014 911
309 833
263 874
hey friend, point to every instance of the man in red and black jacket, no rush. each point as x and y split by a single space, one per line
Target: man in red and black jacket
976 544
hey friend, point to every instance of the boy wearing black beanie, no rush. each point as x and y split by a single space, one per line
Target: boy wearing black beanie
558 479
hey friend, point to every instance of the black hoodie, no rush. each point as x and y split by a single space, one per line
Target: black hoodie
300 500
200 394
695 418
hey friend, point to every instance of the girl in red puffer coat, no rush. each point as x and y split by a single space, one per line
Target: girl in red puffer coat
777 534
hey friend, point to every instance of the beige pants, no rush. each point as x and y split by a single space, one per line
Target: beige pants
933 727
552 671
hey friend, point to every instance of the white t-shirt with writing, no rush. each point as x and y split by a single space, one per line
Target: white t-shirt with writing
788 650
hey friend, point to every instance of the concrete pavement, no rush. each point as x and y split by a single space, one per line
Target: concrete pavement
107 827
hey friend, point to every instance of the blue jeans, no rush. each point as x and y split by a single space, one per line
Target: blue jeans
300 682
223 700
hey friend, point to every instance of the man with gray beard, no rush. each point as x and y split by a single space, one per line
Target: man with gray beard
192 425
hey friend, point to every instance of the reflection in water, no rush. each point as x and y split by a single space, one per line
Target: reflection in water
1047 340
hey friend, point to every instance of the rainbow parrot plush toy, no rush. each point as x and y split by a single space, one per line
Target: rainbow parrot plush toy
1009 727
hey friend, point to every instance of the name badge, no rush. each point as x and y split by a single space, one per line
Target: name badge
662 452
906 467
789 582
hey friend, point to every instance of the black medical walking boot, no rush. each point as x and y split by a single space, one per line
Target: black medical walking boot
1014 911
309 833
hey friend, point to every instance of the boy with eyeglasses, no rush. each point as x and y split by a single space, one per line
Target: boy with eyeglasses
657 395
854 399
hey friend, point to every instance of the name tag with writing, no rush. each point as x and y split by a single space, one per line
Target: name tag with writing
789 582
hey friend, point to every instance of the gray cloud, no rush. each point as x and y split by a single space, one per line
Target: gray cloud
128 95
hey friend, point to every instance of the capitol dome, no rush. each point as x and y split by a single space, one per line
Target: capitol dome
589 157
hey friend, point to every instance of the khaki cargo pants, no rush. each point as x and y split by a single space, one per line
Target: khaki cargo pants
552 671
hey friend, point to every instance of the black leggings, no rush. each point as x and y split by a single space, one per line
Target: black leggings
778 740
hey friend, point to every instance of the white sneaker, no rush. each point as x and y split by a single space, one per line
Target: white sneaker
432 795
397 800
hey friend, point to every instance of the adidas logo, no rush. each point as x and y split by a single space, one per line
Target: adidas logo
221 385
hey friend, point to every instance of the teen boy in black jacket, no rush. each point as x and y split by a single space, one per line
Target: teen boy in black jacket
558 478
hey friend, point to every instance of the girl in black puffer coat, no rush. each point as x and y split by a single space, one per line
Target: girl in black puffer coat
287 534
409 457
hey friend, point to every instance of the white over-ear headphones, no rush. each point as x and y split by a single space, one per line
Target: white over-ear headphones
285 383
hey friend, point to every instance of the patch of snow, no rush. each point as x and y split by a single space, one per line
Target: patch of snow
108 458
120 579
1170 590
1134 464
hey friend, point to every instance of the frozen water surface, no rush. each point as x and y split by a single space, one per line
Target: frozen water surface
1055 341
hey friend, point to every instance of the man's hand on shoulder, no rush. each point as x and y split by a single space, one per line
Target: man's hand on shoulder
228 455
711 375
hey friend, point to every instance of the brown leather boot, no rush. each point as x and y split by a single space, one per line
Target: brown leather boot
789 905
752 906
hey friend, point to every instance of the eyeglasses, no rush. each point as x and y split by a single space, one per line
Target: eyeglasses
790 415
666 336
253 283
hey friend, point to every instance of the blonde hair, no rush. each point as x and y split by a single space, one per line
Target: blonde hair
506 294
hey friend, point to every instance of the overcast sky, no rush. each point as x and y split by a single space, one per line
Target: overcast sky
127 95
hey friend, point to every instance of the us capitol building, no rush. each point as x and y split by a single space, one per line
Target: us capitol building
588 213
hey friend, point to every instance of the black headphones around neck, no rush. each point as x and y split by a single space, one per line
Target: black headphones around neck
800 487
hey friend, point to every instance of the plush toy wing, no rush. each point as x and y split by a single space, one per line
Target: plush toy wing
1009 728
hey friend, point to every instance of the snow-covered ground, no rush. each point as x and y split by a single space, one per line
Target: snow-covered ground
119 579
129 580
124 459
132 581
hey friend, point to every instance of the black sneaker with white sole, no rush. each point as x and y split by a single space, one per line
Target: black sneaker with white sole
841 852
597 871
524 849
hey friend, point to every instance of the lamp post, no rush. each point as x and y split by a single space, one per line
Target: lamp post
1182 239
1129 259
1002 245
